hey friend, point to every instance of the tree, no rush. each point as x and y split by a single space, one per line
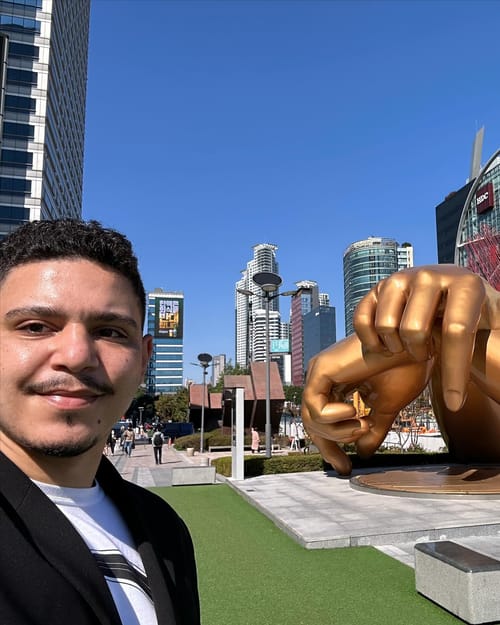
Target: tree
173 406
293 394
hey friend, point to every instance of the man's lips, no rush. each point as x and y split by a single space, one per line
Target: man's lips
84 387
71 399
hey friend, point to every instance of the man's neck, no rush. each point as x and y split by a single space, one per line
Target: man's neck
76 472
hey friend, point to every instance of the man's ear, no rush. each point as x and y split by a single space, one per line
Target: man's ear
147 350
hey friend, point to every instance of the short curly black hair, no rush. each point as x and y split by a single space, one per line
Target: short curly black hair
72 238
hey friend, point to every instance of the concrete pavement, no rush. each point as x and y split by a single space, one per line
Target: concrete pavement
320 510
141 469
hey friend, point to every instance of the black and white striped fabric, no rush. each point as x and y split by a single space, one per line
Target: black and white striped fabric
102 528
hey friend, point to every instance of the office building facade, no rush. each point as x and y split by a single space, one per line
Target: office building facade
306 299
250 309
478 232
312 327
448 215
366 263
218 367
320 331
165 323
43 86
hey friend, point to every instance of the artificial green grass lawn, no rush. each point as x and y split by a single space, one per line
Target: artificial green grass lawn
250 572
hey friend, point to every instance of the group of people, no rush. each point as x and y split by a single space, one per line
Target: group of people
127 442
72 354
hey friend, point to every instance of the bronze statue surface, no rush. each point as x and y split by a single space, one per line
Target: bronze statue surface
436 325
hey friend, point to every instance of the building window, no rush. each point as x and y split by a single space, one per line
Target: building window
23 50
15 186
14 213
18 131
19 24
21 77
17 158
25 3
19 103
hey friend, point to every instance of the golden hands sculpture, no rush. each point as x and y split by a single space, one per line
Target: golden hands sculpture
436 325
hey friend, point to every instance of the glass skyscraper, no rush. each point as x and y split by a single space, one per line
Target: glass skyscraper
366 263
43 73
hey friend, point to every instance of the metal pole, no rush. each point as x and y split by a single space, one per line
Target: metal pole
268 385
203 410
238 423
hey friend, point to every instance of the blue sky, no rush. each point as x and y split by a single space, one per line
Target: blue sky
214 125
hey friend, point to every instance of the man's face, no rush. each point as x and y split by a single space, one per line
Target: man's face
72 355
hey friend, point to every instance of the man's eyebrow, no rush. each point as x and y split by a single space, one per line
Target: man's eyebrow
111 317
48 311
31 311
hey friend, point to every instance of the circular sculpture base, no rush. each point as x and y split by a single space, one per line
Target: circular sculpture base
479 481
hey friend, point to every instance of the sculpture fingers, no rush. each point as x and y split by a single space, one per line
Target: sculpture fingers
332 454
370 441
464 305
337 424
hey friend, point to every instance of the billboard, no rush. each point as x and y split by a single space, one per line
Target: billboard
168 317
280 346
485 198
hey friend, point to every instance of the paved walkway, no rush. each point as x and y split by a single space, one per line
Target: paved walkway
321 510
140 467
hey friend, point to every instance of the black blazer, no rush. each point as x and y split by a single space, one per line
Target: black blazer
48 575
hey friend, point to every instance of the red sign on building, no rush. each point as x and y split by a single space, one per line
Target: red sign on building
485 198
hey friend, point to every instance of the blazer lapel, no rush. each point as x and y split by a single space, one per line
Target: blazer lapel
57 540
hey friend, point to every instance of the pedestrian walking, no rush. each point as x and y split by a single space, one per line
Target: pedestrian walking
157 442
128 440
255 446
110 443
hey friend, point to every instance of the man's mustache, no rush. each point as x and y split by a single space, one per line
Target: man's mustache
75 383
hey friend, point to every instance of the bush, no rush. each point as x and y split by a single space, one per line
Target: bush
212 438
259 465
300 463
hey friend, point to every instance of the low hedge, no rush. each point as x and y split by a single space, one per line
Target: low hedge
259 465
301 463
212 438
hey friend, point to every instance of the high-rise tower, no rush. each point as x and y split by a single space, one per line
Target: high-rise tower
312 327
43 74
306 299
165 318
320 332
250 345
366 263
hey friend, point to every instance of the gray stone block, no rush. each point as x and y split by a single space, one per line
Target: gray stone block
461 580
185 476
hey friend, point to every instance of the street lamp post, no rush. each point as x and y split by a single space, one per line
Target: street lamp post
269 283
205 360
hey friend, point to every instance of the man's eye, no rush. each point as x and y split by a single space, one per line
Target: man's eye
111 333
35 327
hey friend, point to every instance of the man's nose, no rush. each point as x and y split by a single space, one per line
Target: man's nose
74 349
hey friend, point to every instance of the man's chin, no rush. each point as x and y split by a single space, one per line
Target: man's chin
63 449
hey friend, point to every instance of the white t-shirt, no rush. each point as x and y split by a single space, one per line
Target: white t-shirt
101 526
